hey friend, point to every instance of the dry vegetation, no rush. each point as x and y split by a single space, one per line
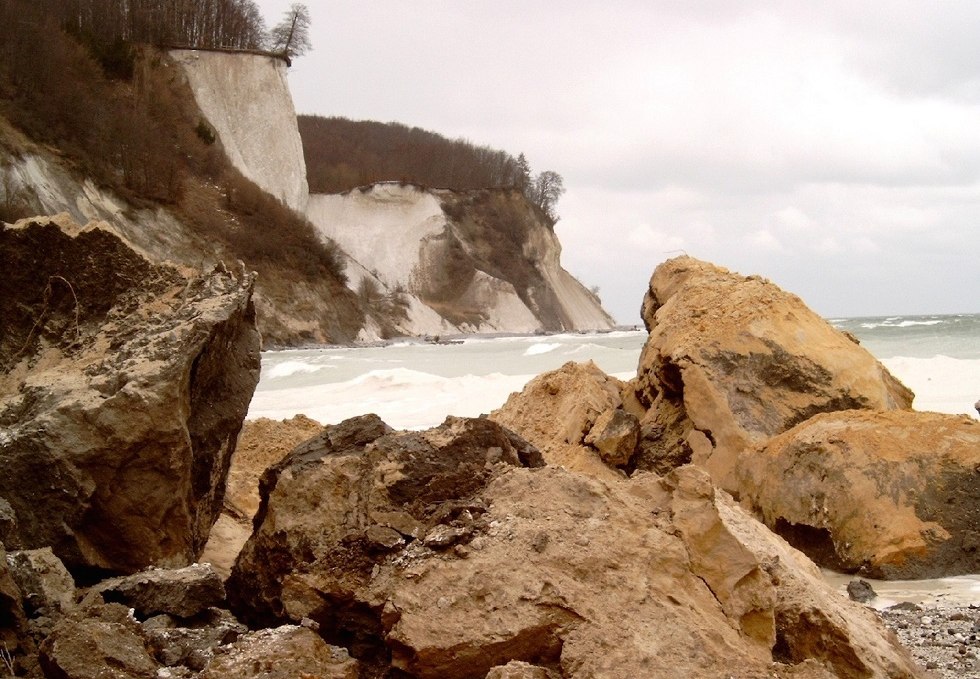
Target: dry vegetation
342 154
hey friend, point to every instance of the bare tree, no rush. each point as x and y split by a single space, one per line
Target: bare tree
547 189
291 36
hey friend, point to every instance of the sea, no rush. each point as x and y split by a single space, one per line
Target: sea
415 384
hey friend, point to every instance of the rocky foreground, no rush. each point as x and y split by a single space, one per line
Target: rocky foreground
662 527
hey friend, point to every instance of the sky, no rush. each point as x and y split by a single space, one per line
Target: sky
832 147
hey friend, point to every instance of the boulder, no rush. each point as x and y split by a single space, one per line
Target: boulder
554 573
885 494
45 583
328 500
181 592
123 385
861 591
97 643
287 652
262 443
557 410
731 361
191 644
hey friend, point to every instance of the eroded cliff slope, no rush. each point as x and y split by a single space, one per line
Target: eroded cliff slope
482 260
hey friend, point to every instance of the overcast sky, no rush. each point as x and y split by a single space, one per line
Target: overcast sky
833 147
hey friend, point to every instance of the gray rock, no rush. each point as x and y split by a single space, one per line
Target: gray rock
181 592
861 591
192 647
45 583
86 644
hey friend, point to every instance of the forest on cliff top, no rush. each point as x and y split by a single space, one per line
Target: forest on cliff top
342 154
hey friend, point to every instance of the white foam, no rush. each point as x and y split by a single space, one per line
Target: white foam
403 398
941 384
287 368
537 349
890 323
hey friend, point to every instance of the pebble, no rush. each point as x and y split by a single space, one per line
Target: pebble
941 638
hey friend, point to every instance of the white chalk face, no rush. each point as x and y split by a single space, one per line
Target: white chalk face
247 101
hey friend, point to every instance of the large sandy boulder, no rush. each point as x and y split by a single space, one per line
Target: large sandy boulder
123 386
731 361
557 411
359 490
438 554
888 494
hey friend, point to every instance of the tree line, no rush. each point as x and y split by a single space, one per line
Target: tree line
202 23
342 154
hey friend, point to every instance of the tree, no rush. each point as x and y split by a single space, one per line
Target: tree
523 179
547 188
291 36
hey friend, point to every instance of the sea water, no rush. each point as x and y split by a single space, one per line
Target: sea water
414 385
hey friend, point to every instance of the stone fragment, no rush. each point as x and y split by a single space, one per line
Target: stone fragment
288 652
441 537
556 411
182 592
46 585
891 495
861 591
178 645
383 537
403 522
8 522
99 643
615 435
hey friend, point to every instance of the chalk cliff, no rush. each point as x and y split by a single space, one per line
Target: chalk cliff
246 100
482 260
473 261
